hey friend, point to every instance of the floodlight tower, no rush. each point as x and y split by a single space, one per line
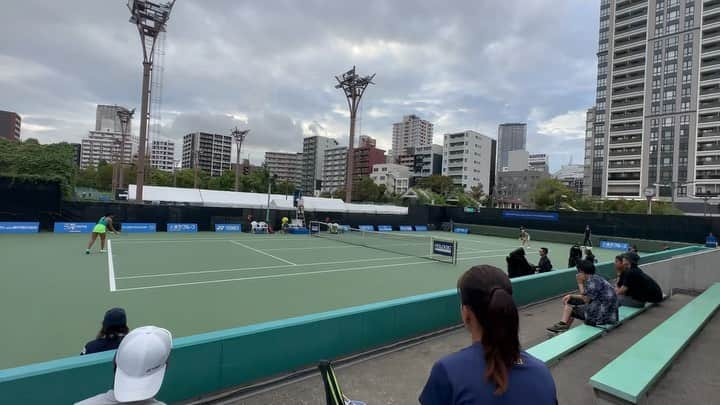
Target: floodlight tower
124 115
151 18
354 87
239 137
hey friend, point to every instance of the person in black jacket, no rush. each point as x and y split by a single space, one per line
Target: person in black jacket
518 264
587 241
544 265
575 256
634 287
114 328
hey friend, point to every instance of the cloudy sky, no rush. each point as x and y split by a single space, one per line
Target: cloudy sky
270 65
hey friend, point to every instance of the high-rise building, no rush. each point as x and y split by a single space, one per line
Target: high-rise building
571 176
469 160
286 166
410 133
657 98
539 162
10 125
518 160
162 154
594 152
395 177
107 120
511 136
427 160
365 157
334 169
367 142
211 152
77 153
107 147
313 157
514 187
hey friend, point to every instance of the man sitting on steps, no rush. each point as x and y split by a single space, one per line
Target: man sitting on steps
634 287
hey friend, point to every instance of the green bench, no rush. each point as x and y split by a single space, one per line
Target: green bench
627 378
551 350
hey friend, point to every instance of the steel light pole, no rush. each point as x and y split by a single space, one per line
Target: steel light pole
151 19
124 115
353 85
239 137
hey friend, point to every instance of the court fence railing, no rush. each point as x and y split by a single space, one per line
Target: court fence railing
211 362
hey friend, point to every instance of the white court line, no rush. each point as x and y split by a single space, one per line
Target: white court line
263 253
285 266
307 273
246 239
111 267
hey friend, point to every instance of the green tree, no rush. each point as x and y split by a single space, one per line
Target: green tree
53 162
225 182
87 177
160 178
549 193
185 178
477 193
437 184
103 180
367 190
284 187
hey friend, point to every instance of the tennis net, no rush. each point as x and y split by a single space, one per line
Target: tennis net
426 247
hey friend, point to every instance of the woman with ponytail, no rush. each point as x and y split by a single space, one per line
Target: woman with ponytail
493 370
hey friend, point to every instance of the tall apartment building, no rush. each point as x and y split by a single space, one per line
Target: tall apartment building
594 165
410 133
211 152
313 157
334 169
10 123
427 160
364 158
162 154
106 118
658 98
539 162
469 160
286 166
511 136
106 146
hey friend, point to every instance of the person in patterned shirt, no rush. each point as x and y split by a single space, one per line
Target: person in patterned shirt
596 303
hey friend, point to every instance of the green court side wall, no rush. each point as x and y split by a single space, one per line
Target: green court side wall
209 362
568 238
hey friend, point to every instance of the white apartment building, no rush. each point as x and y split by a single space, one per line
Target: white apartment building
210 152
395 177
106 146
313 158
286 166
334 169
539 162
162 155
412 132
469 159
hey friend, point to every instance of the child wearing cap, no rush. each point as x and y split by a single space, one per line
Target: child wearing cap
113 330
140 365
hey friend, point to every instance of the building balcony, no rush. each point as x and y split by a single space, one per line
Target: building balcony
625 152
624 103
629 5
634 90
624 176
625 139
625 116
629 41
624 165
638 16
629 54
707 161
711 7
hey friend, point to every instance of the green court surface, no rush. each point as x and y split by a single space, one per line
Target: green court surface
54 296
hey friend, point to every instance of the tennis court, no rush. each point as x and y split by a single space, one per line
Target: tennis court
54 295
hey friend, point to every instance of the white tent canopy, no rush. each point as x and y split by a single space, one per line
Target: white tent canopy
215 198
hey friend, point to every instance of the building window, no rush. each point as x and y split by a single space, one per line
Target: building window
685 106
658 45
689 23
658 30
656 96
685 91
669 108
670 68
656 82
671 54
687 64
689 37
659 18
657 69
668 121
670 80
655 109
659 5
684 120
669 94
687 51
686 77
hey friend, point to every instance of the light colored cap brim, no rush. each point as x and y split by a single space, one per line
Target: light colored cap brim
129 389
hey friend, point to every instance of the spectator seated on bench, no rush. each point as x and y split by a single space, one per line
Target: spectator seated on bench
544 265
517 264
711 241
596 304
635 288
493 370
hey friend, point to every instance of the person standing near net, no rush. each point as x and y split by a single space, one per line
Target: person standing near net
100 229
587 240
524 237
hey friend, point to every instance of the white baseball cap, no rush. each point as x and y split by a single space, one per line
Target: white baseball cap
141 361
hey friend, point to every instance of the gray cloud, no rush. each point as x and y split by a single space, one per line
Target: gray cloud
463 65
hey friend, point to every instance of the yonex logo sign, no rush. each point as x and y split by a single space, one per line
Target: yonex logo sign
228 228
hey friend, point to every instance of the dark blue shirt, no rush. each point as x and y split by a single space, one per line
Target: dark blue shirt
459 379
102 345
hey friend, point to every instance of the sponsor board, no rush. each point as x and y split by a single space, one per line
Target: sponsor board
461 230
614 245
19 227
73 227
172 227
443 248
138 227
421 228
366 228
384 228
406 228
228 228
